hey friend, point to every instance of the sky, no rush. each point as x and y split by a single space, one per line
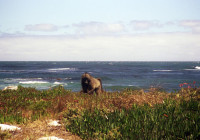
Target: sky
99 30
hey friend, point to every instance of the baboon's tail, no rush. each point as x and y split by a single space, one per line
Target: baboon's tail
101 84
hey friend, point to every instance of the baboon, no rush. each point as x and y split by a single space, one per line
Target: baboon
90 84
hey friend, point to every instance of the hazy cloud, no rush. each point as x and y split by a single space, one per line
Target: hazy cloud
118 28
98 28
90 41
194 25
144 25
146 47
190 23
41 27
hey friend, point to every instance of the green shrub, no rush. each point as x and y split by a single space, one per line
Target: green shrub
170 120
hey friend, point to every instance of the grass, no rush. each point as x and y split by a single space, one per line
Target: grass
28 104
128 114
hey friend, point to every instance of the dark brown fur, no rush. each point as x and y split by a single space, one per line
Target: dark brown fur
90 84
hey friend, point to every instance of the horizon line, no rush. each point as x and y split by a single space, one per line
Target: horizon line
99 60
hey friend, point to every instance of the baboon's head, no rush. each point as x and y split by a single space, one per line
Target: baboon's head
86 78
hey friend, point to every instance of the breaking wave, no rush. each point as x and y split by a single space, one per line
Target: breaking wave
58 83
163 70
33 82
197 67
62 69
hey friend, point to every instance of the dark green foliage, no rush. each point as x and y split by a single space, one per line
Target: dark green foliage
170 120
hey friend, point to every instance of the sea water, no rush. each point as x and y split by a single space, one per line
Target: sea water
114 75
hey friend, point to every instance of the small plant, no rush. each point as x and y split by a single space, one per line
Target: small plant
190 89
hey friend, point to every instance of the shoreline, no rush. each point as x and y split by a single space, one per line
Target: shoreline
114 88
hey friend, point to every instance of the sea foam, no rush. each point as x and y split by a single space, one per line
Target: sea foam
163 70
197 67
33 82
57 83
61 69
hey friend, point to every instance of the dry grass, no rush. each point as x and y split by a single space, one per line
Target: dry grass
40 128
150 98
109 101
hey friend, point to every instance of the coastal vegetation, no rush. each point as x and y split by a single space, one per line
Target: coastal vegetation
127 114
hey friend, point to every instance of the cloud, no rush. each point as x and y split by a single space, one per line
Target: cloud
194 25
90 41
41 27
190 23
96 28
117 28
142 47
144 25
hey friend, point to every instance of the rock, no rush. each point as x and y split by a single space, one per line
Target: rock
50 138
10 88
5 127
54 123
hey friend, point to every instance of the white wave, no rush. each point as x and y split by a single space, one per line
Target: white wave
37 78
130 85
57 83
163 70
190 69
197 67
33 82
62 69
59 69
68 78
21 79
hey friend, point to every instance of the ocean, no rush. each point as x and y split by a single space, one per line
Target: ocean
114 75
